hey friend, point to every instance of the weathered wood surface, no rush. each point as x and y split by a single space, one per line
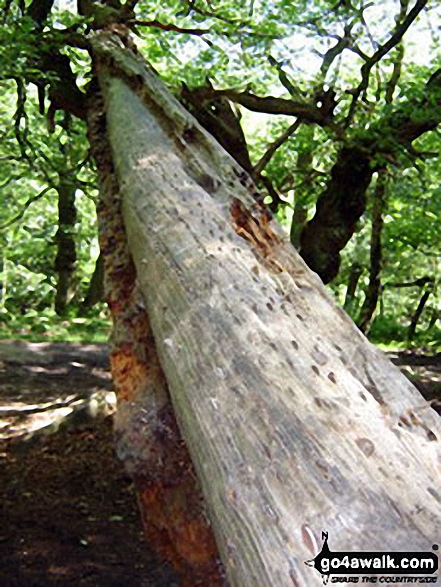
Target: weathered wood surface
147 436
294 421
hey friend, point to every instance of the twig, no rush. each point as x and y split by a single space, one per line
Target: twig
342 43
393 41
168 27
10 179
286 83
265 159
25 207
420 282
193 8
275 196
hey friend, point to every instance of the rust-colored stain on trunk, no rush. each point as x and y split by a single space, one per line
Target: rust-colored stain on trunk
130 372
257 231
173 519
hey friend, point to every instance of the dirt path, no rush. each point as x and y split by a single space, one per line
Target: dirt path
69 513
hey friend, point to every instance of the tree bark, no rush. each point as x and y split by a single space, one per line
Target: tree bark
65 238
338 209
95 291
294 422
417 314
350 302
305 158
374 286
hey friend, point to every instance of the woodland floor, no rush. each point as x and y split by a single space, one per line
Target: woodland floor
69 512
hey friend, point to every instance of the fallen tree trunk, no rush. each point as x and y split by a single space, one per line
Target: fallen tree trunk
294 422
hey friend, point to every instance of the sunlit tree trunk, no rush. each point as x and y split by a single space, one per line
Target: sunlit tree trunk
294 423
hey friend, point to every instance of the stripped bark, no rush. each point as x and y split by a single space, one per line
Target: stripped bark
288 412
148 439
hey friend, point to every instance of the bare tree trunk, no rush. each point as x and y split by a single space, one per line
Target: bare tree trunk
305 158
294 422
95 292
338 209
374 287
354 277
417 314
65 238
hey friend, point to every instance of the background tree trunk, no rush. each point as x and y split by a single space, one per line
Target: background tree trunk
338 209
294 422
95 291
417 314
350 302
374 286
65 239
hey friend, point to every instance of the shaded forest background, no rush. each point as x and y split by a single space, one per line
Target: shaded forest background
333 109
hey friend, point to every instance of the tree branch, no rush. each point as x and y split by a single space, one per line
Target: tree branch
25 207
64 92
309 113
191 7
412 120
265 159
396 73
19 115
393 41
168 27
272 192
284 80
332 53
417 283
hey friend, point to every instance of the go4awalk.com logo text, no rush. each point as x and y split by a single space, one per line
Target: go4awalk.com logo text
387 568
